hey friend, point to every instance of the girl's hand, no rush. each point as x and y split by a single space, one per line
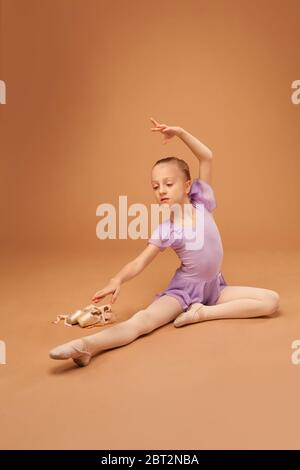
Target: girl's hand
113 287
167 131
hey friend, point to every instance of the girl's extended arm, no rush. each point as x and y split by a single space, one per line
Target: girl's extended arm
129 271
137 265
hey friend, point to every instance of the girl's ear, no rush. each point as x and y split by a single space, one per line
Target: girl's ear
188 186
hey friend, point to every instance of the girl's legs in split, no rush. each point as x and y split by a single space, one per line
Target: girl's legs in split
161 311
233 302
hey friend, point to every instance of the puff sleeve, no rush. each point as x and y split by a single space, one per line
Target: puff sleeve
202 192
161 236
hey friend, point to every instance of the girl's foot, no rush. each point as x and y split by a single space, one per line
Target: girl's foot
76 350
194 314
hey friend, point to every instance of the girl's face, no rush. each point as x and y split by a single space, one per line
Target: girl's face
169 185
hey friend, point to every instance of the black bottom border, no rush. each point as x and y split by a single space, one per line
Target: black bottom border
137 458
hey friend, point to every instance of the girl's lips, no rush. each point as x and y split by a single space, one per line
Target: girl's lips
164 199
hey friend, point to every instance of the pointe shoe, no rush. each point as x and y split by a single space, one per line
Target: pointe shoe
192 315
70 319
91 315
75 350
94 315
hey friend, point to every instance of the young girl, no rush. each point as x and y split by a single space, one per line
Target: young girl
198 290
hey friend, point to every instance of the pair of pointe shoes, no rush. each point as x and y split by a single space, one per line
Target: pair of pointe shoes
194 314
90 316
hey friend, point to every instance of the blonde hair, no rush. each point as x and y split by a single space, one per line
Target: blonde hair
183 166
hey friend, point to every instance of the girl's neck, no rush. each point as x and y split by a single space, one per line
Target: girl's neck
189 221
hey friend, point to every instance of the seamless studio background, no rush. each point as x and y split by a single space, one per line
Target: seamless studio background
82 80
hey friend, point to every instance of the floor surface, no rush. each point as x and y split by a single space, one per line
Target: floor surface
220 384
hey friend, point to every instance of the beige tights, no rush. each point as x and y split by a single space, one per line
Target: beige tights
161 311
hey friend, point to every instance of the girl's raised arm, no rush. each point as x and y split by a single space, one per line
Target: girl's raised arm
200 150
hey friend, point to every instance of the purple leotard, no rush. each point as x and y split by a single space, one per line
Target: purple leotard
199 277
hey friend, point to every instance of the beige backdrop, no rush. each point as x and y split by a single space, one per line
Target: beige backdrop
83 77
82 80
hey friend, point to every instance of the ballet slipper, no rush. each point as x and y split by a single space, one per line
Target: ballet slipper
194 314
70 319
96 316
90 316
76 350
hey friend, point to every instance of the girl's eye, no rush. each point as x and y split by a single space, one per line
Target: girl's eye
168 184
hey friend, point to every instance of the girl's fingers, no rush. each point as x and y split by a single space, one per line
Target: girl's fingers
155 122
159 128
96 300
97 297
